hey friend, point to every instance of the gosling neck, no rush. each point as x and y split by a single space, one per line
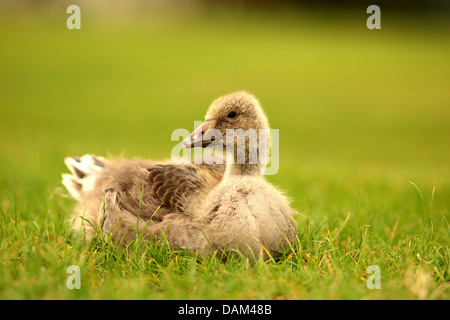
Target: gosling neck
245 161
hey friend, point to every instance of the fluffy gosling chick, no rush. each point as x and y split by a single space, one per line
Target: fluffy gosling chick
243 211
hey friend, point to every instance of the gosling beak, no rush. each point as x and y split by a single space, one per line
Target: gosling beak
203 136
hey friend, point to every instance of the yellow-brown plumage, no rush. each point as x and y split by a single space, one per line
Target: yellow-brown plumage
243 211
200 207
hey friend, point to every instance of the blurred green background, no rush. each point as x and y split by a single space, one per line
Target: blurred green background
355 107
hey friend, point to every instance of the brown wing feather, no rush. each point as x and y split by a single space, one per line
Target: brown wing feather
153 191
171 183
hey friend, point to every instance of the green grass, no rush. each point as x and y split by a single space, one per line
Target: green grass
361 114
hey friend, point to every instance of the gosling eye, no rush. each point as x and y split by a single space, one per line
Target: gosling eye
232 114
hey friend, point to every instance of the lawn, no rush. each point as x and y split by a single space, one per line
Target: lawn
363 117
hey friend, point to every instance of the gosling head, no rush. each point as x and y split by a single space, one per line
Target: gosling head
235 119
238 110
